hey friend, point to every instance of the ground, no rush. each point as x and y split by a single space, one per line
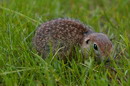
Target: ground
21 65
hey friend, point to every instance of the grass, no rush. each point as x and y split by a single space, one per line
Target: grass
21 66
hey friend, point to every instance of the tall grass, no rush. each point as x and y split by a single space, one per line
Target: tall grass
20 64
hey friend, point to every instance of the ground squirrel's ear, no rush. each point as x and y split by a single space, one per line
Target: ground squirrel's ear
87 41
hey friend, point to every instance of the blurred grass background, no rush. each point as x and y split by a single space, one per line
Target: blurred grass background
20 64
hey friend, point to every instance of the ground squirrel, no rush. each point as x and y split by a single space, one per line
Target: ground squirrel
64 32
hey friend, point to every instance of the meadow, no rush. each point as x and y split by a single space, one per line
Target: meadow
20 65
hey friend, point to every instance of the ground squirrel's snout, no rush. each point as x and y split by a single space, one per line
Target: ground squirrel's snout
101 45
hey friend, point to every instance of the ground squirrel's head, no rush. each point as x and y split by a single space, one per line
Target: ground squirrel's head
98 42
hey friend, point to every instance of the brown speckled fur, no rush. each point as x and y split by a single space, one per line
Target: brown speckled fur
61 32
67 31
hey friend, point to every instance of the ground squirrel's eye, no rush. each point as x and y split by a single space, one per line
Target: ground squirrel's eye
95 47
87 41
